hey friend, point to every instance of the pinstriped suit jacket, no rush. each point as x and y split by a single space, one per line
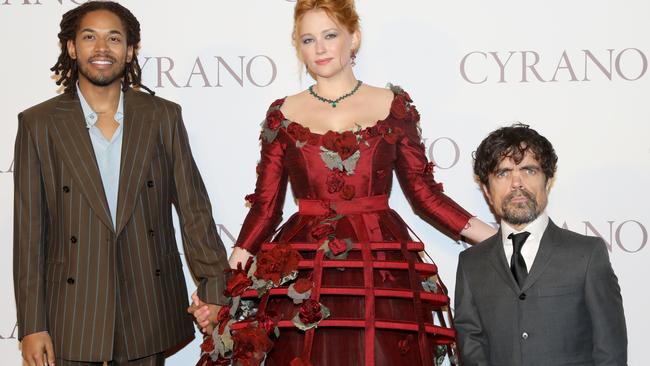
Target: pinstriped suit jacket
71 266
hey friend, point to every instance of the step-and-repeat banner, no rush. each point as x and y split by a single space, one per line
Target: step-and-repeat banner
576 71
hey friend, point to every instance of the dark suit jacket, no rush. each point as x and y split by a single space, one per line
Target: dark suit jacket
568 312
69 261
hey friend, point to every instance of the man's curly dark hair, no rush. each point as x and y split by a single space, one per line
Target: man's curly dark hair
513 142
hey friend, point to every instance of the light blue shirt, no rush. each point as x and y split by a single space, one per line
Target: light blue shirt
108 153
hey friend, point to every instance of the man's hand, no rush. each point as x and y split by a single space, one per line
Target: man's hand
204 314
36 348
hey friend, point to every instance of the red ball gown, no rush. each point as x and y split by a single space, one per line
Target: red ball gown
388 306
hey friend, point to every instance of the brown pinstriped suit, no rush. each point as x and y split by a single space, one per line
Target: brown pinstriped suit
71 266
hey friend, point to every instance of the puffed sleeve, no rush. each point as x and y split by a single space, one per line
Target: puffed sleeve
415 172
270 189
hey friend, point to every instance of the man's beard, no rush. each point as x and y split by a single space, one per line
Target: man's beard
100 79
522 212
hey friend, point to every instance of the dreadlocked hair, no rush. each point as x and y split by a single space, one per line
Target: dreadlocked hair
65 68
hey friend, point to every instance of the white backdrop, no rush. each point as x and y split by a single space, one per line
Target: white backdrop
576 71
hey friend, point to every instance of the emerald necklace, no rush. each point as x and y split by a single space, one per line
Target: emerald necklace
334 102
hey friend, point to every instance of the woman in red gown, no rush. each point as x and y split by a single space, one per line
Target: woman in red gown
338 143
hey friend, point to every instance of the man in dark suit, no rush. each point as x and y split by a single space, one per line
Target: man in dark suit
97 272
534 294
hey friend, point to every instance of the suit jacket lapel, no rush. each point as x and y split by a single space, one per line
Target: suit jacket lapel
137 146
78 154
546 250
498 261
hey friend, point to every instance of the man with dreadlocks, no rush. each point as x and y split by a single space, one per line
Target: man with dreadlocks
97 272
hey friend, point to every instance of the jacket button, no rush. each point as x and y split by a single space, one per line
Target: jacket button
150 184
73 239
66 189
522 297
524 336
71 281
157 271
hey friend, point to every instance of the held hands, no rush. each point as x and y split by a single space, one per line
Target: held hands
38 349
205 314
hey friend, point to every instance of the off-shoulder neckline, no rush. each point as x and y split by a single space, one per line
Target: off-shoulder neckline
376 124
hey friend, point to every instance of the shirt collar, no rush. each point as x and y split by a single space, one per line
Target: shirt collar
91 116
536 228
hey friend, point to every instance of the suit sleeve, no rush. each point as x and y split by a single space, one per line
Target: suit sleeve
30 229
270 190
605 305
205 252
471 339
415 175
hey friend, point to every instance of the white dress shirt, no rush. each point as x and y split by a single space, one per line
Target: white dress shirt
531 246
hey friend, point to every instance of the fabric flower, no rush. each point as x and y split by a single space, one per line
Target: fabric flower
251 198
335 181
237 284
310 312
322 230
345 144
277 103
337 246
274 119
428 169
208 344
348 192
277 263
398 107
303 285
223 317
251 346
298 132
268 321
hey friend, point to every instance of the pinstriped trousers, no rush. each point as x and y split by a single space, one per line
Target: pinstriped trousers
119 350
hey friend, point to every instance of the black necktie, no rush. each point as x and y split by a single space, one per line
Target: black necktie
517 262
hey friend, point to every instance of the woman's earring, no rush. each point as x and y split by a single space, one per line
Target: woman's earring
353 57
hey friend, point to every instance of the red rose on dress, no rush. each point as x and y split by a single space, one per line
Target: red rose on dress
303 285
274 119
208 345
268 321
398 107
251 198
223 318
428 169
277 263
345 144
300 362
251 345
321 231
298 132
348 192
237 284
335 181
277 103
309 312
337 246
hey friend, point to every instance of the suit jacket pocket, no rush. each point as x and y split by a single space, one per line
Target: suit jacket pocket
560 291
